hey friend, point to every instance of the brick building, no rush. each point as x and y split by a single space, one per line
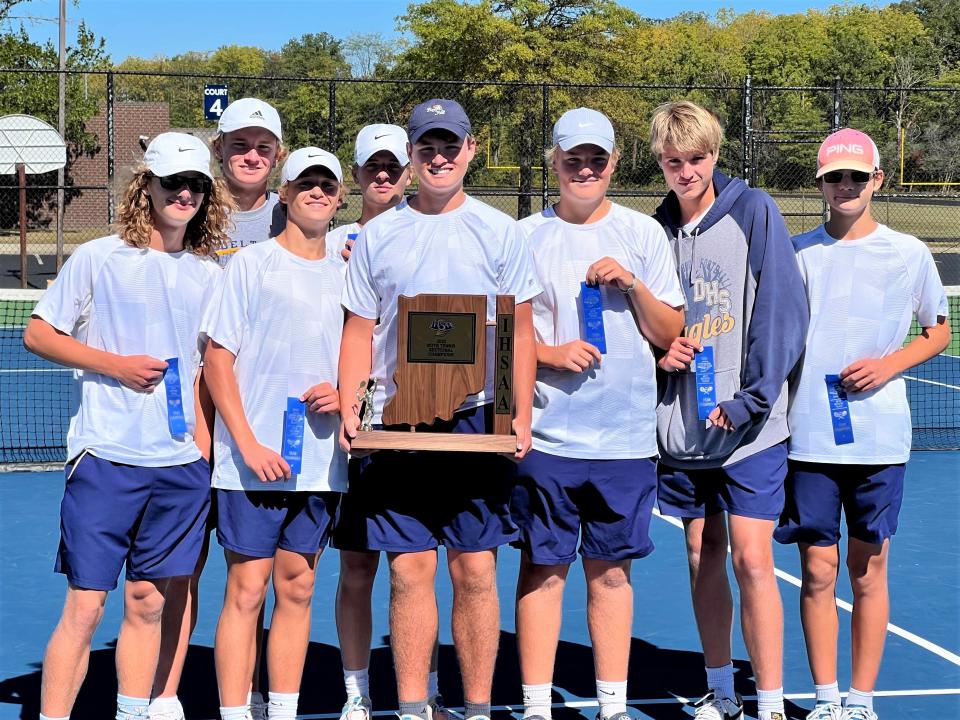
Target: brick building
131 121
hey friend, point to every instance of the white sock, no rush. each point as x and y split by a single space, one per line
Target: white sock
357 682
770 700
283 706
47 717
240 712
433 685
720 680
612 697
864 699
828 693
166 704
131 707
537 700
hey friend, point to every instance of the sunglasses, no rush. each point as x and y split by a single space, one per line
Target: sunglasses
195 184
835 176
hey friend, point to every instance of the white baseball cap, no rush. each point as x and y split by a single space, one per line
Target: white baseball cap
250 112
306 158
170 153
583 126
375 138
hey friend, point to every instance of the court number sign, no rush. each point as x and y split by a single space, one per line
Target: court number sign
215 101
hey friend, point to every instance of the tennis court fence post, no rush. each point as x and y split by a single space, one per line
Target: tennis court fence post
545 136
332 116
110 149
22 182
746 143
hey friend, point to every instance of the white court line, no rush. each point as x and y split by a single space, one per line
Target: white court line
933 382
577 704
844 605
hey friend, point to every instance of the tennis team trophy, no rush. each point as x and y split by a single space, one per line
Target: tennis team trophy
441 359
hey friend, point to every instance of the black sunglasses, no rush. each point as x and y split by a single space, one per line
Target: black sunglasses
196 184
835 176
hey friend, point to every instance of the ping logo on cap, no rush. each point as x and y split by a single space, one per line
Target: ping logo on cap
437 109
853 149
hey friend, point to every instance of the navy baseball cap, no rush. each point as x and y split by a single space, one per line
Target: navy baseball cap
438 114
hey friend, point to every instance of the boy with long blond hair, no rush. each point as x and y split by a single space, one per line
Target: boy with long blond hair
125 311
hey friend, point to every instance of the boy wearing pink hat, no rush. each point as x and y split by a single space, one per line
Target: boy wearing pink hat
849 420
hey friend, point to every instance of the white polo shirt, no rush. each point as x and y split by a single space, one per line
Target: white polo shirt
609 410
863 297
130 301
472 250
280 315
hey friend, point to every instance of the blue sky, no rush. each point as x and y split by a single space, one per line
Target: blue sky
149 27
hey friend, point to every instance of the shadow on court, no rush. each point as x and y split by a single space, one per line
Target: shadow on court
654 673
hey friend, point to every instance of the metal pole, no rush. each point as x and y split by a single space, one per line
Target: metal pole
61 128
110 156
22 181
332 120
834 126
747 154
545 130
837 103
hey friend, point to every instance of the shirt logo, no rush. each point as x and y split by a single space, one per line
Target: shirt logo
437 109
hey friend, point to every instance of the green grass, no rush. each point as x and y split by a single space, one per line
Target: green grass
936 220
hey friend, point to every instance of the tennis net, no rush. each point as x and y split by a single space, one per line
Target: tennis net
35 395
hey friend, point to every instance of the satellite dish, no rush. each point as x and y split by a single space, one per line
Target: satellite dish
30 141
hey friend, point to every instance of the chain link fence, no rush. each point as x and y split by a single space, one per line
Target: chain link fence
772 135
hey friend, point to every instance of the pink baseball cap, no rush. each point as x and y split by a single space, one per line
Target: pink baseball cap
848 149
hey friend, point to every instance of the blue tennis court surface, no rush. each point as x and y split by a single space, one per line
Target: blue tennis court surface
920 677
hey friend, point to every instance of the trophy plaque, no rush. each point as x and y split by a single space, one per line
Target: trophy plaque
441 359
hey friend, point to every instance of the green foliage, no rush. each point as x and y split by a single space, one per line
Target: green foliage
37 94
942 20
302 105
575 46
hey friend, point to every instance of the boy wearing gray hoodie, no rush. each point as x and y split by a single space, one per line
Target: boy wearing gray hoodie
722 405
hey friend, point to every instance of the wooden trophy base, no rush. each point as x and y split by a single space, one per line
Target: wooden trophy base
448 442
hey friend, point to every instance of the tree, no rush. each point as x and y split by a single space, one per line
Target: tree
370 54
36 94
532 41
942 20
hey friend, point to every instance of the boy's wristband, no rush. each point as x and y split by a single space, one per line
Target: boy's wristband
631 287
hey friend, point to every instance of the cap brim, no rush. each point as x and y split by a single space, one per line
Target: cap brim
240 125
300 171
164 169
456 128
569 143
400 155
845 165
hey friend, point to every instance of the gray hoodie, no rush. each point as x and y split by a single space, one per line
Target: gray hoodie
745 298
